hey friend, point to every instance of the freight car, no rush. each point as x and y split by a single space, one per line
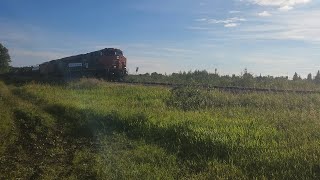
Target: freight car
108 63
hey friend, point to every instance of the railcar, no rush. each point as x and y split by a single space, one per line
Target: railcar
109 63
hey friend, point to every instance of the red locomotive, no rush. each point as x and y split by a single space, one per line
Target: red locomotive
107 63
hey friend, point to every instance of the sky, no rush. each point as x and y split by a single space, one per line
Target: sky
268 37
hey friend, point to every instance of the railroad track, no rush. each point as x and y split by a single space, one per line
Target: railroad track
227 88
234 89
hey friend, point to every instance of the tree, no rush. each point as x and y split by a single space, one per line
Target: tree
4 59
296 77
309 78
246 74
317 78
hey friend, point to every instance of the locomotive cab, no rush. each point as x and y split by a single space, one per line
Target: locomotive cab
113 62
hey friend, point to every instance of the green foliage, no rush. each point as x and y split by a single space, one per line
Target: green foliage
86 83
309 77
96 130
296 77
191 98
317 78
188 98
4 59
7 128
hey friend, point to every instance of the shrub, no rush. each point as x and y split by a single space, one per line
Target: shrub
86 83
189 98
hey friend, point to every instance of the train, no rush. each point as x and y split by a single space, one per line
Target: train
108 63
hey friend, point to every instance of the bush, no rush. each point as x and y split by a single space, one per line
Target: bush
189 98
86 83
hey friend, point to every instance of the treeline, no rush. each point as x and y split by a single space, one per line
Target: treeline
246 79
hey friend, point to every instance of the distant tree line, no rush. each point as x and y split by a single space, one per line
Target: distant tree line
246 79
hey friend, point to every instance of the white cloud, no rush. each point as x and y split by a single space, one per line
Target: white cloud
201 19
264 14
302 26
281 4
197 28
230 25
285 8
234 12
226 21
230 22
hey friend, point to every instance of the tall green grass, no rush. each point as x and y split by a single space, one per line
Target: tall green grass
7 127
40 142
119 131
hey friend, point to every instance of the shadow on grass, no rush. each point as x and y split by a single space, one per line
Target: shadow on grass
178 139
42 149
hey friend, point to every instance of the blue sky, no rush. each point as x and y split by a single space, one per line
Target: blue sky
271 37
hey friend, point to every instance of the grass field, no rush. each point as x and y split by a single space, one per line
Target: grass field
92 129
